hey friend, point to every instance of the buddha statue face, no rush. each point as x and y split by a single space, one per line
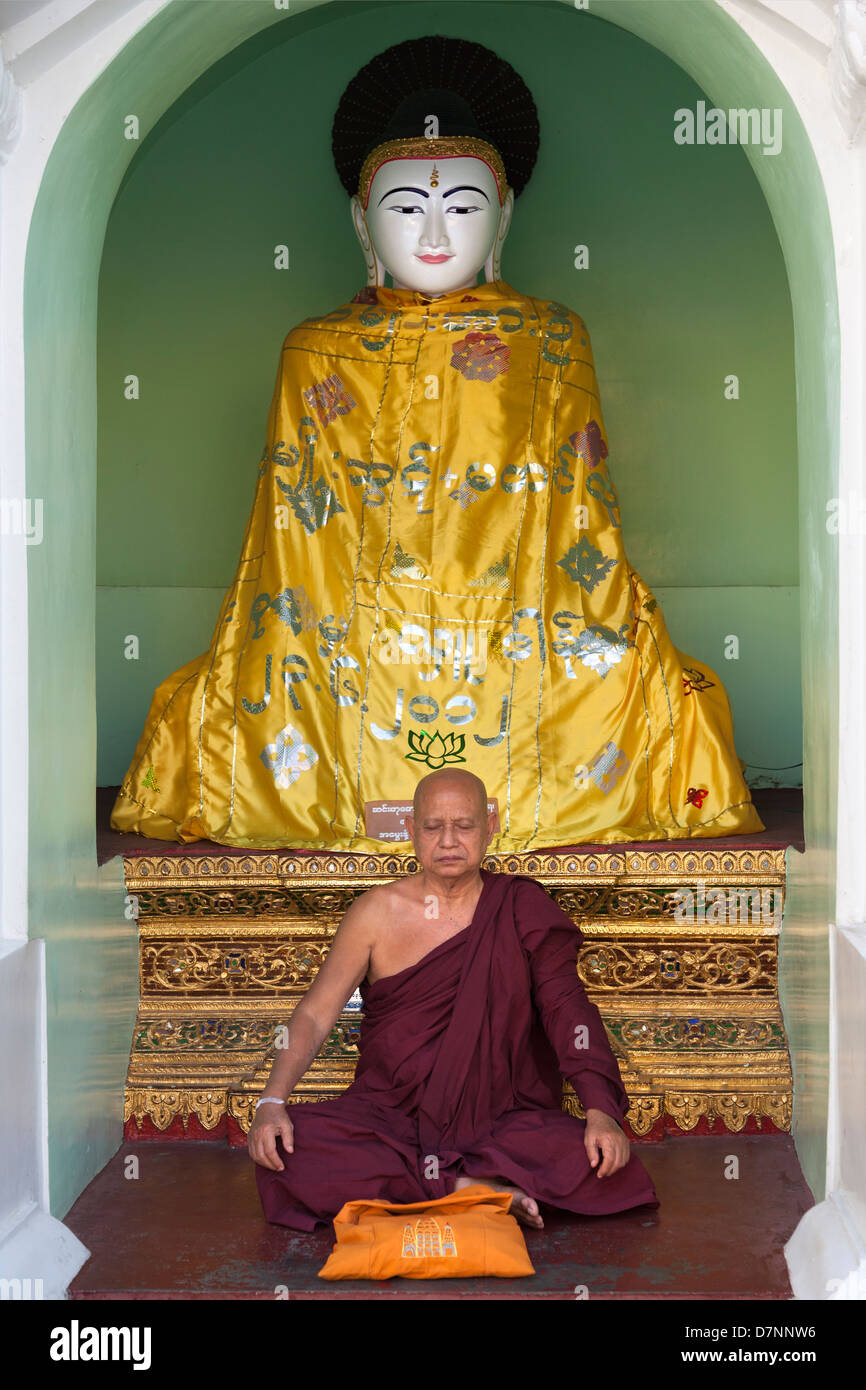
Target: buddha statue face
433 224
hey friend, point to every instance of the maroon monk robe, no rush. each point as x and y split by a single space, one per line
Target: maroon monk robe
460 1067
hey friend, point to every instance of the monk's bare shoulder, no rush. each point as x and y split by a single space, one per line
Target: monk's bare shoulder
382 904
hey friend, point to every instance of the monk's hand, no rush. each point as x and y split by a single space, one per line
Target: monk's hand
605 1140
266 1127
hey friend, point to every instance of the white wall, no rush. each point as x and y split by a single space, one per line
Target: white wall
818 50
49 55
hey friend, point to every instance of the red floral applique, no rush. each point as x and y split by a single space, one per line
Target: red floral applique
329 398
589 443
697 796
481 356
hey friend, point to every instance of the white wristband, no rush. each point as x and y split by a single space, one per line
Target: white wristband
265 1100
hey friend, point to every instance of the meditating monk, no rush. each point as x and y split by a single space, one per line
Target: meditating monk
473 1014
433 570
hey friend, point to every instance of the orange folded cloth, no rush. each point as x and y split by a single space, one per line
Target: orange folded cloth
467 1233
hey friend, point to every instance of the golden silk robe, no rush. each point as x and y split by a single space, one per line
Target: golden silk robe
433 574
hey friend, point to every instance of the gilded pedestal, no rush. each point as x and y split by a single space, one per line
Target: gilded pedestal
229 944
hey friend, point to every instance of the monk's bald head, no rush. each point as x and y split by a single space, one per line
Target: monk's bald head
450 827
449 779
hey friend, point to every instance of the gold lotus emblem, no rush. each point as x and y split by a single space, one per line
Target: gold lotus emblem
436 750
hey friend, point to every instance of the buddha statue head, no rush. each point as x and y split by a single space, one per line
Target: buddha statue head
433 140
432 220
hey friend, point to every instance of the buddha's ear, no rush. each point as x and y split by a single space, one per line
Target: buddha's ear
375 268
491 265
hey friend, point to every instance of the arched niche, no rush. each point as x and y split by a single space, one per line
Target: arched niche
178 44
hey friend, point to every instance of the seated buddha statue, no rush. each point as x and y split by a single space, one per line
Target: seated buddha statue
433 571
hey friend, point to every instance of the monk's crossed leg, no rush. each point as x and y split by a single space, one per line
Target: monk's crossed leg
345 1150
540 1156
348 1149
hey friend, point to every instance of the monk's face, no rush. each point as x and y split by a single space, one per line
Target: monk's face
452 829
433 239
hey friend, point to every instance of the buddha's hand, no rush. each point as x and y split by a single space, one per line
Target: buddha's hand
605 1140
269 1123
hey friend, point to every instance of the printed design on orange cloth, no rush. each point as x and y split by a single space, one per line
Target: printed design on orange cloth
367 295
288 756
586 565
150 780
695 680
600 486
406 566
259 706
481 356
309 617
465 495
312 499
589 443
332 631
329 398
472 321
696 796
291 606
495 576
312 502
650 604
608 766
599 648
427 1237
435 749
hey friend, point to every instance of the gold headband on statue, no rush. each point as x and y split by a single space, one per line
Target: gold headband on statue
432 147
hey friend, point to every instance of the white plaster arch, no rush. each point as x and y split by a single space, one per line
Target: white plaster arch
52 58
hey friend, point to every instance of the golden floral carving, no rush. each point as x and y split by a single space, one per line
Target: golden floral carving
230 942
189 966
699 966
686 1108
282 870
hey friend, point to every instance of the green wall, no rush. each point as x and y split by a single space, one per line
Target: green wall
92 978
707 44
686 285
91 947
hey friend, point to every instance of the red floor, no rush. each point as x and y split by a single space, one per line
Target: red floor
780 808
191 1227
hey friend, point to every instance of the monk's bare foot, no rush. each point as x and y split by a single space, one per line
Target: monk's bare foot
523 1207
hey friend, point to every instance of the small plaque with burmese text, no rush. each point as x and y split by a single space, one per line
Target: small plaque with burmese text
385 820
